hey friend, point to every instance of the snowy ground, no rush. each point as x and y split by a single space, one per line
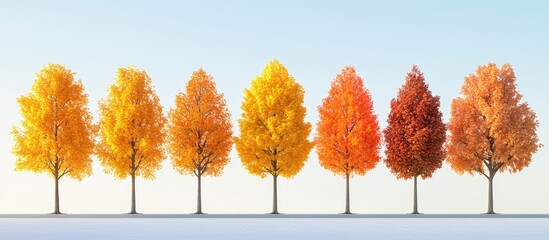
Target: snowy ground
265 227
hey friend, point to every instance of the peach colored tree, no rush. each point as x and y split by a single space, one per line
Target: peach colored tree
491 129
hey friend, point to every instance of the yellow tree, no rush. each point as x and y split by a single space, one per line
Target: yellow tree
131 128
273 132
57 130
491 130
199 131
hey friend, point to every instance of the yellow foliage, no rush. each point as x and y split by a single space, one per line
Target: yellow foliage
273 133
57 130
131 126
199 131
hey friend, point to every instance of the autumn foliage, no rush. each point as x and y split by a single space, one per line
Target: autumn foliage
491 130
348 136
57 132
273 133
199 131
131 128
415 133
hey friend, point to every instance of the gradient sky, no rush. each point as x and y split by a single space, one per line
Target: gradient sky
233 41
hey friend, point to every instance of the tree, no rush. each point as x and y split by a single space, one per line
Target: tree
415 134
273 133
348 136
491 130
57 130
199 132
131 128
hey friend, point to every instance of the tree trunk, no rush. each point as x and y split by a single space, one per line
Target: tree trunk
133 211
415 196
199 196
347 197
56 210
275 198
490 195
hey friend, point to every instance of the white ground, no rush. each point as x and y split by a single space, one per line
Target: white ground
266 228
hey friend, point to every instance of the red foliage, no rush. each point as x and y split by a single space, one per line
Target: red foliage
415 134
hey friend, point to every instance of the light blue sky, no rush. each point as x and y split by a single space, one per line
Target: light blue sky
233 41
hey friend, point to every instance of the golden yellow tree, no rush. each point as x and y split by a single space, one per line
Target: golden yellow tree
200 131
57 130
273 132
131 128
491 130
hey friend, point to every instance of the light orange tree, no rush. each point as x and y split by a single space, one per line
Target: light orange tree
415 133
200 131
57 130
348 136
491 130
131 128
273 132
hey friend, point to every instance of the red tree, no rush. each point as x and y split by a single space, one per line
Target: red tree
415 133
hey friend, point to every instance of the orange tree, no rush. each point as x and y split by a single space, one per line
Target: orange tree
491 130
199 131
131 128
273 132
57 130
415 133
348 136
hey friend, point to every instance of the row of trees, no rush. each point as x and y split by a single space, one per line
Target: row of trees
490 129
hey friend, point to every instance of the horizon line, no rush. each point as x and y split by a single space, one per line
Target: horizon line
282 215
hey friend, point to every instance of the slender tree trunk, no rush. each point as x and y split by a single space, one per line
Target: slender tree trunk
56 210
490 195
347 197
415 196
275 198
199 196
133 211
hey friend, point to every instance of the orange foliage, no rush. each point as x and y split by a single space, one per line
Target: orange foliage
348 137
199 132
490 128
57 134
415 133
131 126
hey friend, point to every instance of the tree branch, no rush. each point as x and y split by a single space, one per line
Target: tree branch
477 169
498 166
65 171
50 165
